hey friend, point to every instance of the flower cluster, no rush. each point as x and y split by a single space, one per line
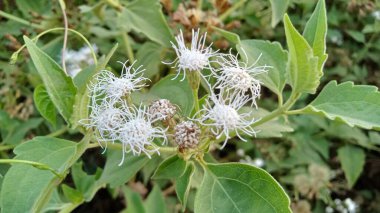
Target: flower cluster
114 118
235 80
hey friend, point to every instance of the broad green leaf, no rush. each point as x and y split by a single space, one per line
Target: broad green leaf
116 175
182 185
20 178
303 73
315 32
59 86
146 16
44 105
134 201
72 194
355 105
176 91
149 55
81 80
13 131
38 7
279 8
155 202
173 167
352 159
235 187
85 183
356 35
270 54
231 37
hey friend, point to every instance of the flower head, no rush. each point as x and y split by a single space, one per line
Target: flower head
162 109
222 114
138 132
106 121
187 134
77 59
193 59
107 85
239 77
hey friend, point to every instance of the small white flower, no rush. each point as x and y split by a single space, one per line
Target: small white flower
350 205
107 85
223 116
239 77
376 15
76 60
138 132
106 120
193 59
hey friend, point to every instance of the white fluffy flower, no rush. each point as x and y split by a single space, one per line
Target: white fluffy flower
106 121
223 116
110 87
138 132
77 59
193 59
238 77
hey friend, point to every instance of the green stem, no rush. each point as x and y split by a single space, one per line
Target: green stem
296 112
231 10
15 54
199 4
32 163
19 20
65 34
118 146
128 47
58 132
196 100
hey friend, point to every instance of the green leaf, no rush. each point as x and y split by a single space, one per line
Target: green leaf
13 131
272 55
176 91
182 185
149 55
352 159
116 175
20 178
303 73
44 104
235 187
355 105
85 183
155 202
356 35
59 86
315 32
72 194
173 167
134 201
279 8
145 16
231 37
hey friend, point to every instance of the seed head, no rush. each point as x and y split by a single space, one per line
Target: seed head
162 110
187 134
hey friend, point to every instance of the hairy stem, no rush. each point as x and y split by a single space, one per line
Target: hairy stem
66 24
128 48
